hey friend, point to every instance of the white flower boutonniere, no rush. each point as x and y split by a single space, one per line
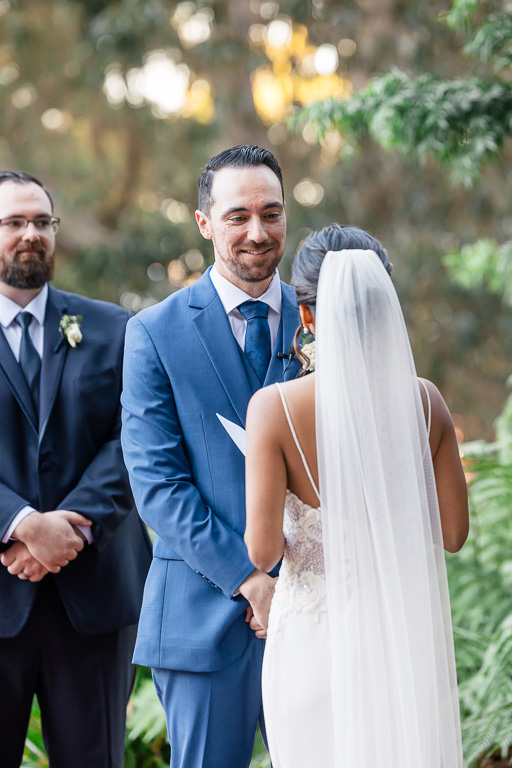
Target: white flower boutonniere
69 327
308 352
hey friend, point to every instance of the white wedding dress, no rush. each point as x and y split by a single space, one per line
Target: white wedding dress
297 670
296 674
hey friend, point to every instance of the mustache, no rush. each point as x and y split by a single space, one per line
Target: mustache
30 249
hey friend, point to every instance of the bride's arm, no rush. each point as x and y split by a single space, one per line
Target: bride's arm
266 479
451 484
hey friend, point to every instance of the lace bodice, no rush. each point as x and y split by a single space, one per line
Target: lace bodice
301 584
303 536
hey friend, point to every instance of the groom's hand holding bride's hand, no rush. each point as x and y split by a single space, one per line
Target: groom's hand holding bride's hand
257 628
258 589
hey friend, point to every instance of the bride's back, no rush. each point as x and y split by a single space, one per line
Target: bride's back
300 399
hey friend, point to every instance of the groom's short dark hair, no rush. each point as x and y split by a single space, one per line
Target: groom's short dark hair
243 156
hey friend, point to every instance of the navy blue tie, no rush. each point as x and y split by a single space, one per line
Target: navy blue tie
30 362
258 348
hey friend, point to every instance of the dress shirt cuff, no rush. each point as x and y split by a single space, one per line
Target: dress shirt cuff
86 530
17 520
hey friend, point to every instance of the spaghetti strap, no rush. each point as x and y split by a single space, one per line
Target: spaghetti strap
429 411
296 440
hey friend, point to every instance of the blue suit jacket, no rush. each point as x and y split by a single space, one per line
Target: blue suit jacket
72 459
182 367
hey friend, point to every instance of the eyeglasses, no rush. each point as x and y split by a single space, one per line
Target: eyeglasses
43 224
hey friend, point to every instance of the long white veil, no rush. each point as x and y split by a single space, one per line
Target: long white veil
395 701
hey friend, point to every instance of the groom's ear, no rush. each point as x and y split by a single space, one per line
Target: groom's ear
203 224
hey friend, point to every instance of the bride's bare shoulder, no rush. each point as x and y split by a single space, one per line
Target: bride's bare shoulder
439 407
266 403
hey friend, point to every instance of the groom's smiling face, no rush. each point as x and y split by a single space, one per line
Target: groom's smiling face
247 225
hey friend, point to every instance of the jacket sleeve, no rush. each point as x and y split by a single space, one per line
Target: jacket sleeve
160 473
10 504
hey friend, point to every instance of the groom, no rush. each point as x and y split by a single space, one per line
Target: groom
204 351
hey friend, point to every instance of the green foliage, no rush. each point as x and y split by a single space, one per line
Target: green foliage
480 578
483 265
260 757
460 123
459 16
34 755
486 699
492 42
147 745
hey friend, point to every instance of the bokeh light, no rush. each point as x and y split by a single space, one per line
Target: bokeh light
56 120
308 193
279 33
298 73
175 211
23 97
346 47
194 26
9 74
326 60
156 272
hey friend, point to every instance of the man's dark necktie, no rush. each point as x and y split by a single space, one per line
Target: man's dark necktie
30 362
257 336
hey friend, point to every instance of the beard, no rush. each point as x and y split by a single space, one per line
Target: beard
27 272
245 267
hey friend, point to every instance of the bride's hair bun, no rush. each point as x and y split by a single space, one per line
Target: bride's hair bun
309 258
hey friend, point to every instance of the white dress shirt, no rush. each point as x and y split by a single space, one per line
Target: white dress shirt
231 298
9 311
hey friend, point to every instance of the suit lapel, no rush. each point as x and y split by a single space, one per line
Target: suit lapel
16 380
215 333
287 328
54 355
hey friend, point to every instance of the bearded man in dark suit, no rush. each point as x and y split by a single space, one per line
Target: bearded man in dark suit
74 553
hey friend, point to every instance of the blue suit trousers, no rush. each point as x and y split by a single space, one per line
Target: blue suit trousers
212 717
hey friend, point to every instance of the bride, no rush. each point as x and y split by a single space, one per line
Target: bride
362 457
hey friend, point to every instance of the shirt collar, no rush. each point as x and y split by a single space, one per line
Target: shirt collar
231 296
37 307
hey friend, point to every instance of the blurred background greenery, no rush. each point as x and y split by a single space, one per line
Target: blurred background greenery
118 105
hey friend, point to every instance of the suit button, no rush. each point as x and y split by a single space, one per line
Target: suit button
45 464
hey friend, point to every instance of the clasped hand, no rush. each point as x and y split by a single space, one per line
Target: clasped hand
45 543
258 589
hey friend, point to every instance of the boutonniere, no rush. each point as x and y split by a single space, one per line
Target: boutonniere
308 352
69 327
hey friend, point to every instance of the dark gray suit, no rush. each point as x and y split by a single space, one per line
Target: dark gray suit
69 638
